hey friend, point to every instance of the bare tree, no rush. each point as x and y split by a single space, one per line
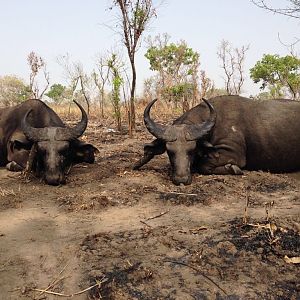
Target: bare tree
232 60
291 10
75 75
100 78
239 63
83 78
37 64
135 15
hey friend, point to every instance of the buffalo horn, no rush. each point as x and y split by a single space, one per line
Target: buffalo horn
195 132
66 134
158 130
32 133
63 133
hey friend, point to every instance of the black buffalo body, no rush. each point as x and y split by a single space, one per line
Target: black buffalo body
32 128
227 134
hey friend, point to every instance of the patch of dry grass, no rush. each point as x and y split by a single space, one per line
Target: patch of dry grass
161 112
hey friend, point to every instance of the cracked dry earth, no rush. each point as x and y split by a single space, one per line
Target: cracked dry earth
134 235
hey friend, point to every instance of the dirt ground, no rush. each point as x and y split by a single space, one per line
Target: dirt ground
113 233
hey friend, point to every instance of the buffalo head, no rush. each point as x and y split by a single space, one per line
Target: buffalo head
181 141
55 147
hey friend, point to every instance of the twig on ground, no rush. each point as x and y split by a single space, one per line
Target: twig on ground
56 280
98 284
145 224
14 290
157 216
177 193
246 216
198 271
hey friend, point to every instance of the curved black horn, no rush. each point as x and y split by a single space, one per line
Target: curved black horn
155 129
79 129
32 133
195 132
76 131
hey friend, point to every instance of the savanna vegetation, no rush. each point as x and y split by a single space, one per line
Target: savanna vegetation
117 234
178 79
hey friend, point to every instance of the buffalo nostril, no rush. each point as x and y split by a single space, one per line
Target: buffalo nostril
182 180
53 180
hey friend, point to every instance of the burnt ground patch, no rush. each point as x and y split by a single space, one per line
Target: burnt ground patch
235 261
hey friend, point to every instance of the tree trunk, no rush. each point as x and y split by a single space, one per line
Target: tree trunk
131 120
102 102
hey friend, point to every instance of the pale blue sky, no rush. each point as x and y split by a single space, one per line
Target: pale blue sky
56 27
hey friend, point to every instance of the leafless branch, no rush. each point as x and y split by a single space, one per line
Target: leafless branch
292 11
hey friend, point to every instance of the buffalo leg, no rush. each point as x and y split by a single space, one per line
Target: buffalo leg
157 147
228 169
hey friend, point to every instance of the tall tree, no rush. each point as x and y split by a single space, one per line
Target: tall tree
292 8
281 75
232 62
135 16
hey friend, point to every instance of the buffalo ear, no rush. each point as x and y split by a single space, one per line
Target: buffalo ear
85 153
18 140
17 145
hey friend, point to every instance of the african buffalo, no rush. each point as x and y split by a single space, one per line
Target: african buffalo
34 128
227 134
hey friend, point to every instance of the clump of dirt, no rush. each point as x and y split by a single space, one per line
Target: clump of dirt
82 201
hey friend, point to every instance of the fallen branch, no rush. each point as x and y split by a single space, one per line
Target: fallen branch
198 271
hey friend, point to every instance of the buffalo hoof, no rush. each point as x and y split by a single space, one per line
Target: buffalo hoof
14 167
233 169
